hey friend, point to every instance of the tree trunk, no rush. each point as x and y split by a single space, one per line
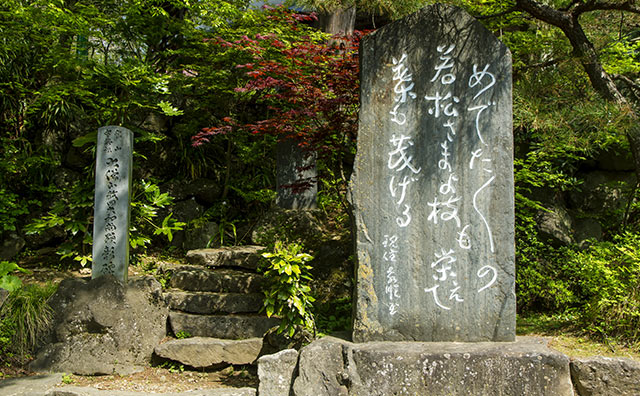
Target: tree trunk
600 80
340 22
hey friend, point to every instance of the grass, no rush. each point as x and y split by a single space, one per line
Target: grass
573 341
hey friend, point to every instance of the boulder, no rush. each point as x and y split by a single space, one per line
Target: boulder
11 246
276 373
555 225
202 352
331 366
587 229
606 376
602 191
207 234
303 226
102 326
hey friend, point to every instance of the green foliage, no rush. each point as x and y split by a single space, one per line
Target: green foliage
66 379
183 334
73 212
8 281
606 276
334 315
286 288
24 317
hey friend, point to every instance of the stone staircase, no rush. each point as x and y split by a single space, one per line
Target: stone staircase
215 300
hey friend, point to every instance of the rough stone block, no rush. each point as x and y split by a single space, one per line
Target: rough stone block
606 376
237 256
524 367
201 352
196 278
276 373
212 303
232 327
102 326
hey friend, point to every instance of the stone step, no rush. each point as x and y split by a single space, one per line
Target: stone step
233 327
211 303
197 278
247 257
203 352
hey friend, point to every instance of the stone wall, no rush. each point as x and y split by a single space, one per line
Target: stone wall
333 367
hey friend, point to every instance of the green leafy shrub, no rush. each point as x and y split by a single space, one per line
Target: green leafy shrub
286 288
607 276
24 317
73 213
8 281
334 315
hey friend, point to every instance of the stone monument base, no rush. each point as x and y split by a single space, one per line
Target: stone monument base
332 367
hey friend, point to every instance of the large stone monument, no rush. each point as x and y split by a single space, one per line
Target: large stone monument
432 188
112 202
296 174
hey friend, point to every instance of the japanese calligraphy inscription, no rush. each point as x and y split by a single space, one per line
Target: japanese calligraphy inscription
112 202
432 188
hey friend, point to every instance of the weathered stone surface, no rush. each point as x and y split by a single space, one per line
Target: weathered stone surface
233 327
602 191
296 176
211 303
304 226
586 228
201 352
199 237
432 188
274 342
87 391
11 246
322 369
525 367
196 278
606 376
206 191
276 373
555 225
112 203
103 327
35 385
236 256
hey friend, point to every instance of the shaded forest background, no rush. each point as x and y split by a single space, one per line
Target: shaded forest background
209 87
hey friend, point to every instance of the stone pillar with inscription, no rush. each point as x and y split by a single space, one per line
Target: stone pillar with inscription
112 202
432 188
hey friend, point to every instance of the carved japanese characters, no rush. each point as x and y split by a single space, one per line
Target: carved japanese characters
112 202
433 183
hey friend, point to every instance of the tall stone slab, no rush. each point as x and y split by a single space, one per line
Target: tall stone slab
432 189
296 174
114 159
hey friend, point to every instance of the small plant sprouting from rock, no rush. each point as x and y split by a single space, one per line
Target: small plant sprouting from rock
183 334
286 288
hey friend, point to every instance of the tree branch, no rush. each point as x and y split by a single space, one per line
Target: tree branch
596 5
